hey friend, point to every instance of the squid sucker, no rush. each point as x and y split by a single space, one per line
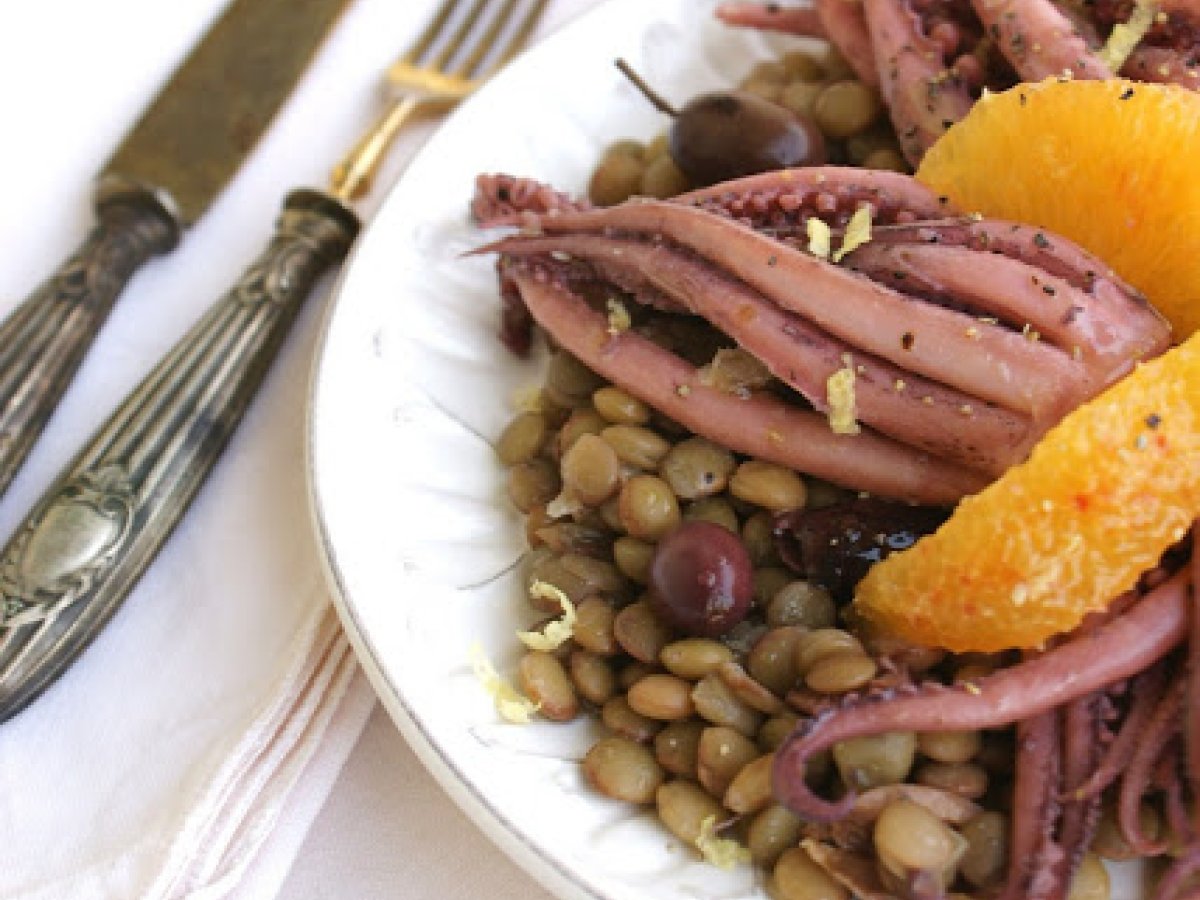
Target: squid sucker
965 339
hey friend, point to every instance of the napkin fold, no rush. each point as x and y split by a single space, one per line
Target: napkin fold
320 704
186 752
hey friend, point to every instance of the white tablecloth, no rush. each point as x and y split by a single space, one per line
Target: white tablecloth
388 831
73 75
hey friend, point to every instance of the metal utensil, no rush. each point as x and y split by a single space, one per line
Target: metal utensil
85 543
177 158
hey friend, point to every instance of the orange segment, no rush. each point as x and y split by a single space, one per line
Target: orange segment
1100 499
1109 164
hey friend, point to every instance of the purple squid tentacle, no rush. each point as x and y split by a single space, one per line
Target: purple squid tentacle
1176 877
1117 649
924 96
1164 66
1166 779
1039 40
1035 808
1191 722
760 426
924 338
800 354
516 324
503 200
1170 51
1092 327
801 21
838 21
1061 258
845 23
1082 730
1160 729
1147 689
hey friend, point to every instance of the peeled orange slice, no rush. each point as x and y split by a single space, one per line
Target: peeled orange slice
1100 499
1109 164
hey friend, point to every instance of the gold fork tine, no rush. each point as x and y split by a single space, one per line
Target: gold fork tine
452 47
471 67
521 35
430 34
468 66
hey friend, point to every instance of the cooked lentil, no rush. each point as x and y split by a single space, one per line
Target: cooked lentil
592 676
623 769
797 877
721 755
869 762
545 682
648 507
619 718
683 806
640 632
693 658
664 697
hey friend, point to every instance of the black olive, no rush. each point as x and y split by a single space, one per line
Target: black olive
728 134
701 579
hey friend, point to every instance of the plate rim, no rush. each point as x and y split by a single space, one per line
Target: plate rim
550 873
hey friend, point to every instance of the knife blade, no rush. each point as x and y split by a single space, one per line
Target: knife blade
171 165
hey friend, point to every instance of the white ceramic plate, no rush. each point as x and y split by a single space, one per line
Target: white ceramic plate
411 386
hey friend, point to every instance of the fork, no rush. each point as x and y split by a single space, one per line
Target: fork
434 75
83 546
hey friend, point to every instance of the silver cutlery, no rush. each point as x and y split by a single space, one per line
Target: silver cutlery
162 178
76 556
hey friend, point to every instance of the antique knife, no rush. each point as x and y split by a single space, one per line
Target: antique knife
73 560
161 179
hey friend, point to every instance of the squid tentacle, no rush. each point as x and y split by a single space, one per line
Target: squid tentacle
1082 731
1116 650
801 21
760 426
1093 327
1160 729
784 199
1040 40
923 95
1030 870
845 23
803 356
1147 689
924 338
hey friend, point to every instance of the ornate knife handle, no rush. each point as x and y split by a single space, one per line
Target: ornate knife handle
76 556
45 339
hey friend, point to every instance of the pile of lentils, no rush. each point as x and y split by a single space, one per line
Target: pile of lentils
619 501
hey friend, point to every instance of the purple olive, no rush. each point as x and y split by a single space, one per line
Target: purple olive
728 134
701 579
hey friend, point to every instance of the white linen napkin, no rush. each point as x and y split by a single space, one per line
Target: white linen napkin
223 696
187 751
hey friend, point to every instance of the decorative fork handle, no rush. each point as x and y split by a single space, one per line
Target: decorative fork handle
75 558
45 339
